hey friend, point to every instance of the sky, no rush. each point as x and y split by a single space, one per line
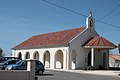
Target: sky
21 19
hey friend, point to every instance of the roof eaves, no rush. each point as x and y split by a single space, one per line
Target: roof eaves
47 46
106 47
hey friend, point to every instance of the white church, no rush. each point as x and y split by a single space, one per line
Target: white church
68 49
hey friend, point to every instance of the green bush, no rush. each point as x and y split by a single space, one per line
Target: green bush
84 68
89 68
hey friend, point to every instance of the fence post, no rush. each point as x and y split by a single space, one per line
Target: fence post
31 68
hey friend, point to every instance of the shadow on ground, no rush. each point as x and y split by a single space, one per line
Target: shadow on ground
45 75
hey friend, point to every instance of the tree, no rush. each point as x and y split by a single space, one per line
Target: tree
1 52
119 48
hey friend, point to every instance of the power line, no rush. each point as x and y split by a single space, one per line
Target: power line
109 24
64 8
110 12
83 14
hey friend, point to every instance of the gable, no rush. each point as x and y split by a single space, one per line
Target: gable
50 39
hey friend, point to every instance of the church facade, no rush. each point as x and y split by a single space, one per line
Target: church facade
68 49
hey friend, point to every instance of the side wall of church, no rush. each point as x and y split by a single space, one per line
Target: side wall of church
42 51
81 53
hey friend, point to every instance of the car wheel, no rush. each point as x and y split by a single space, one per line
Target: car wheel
3 68
40 72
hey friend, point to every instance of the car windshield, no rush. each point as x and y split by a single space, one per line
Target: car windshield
19 62
10 62
5 62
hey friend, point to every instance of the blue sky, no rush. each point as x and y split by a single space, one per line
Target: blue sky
21 19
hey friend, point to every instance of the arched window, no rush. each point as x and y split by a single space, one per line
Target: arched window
20 55
36 55
59 59
27 55
47 59
73 59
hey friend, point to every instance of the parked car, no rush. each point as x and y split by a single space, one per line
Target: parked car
2 59
22 65
8 62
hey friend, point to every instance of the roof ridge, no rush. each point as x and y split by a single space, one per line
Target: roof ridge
96 40
60 31
104 40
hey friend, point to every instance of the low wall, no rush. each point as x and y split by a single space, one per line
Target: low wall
28 74
14 75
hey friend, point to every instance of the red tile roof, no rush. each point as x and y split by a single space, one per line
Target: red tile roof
116 57
99 41
49 39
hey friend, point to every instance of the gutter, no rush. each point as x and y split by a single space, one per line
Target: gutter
34 47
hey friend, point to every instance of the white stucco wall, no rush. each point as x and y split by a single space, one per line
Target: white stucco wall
101 58
98 58
42 51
